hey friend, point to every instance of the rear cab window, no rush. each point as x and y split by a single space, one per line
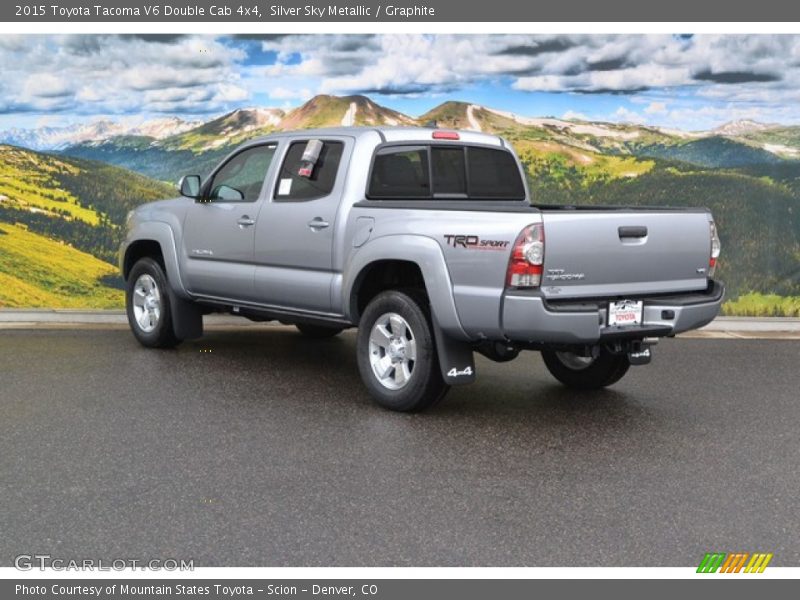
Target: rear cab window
444 172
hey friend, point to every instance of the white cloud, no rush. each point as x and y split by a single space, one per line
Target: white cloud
626 115
656 108
228 92
118 74
576 116
286 93
46 85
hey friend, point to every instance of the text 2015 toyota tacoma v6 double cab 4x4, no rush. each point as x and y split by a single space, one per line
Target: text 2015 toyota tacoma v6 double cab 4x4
427 241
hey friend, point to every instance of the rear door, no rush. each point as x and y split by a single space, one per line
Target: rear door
219 230
625 252
294 235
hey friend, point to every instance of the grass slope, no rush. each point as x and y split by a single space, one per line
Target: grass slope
31 181
80 202
39 272
711 152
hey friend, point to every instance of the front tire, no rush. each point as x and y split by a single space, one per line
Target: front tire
396 352
147 304
586 373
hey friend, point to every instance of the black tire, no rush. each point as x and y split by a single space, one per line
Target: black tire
605 370
318 332
425 385
163 334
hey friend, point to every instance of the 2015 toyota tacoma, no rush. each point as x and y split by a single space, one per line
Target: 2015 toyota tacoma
427 241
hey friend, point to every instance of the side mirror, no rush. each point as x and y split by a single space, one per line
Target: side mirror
189 186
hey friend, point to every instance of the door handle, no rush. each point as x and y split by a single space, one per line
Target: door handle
245 221
632 231
318 223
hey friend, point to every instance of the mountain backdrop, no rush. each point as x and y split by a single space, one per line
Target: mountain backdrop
64 192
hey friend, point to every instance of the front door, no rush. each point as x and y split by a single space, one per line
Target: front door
295 231
220 228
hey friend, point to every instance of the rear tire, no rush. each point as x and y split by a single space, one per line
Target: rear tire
579 373
396 352
147 304
317 332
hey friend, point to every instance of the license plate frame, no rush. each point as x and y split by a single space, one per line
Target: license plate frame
625 313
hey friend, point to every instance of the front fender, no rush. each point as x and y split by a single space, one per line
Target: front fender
160 232
427 255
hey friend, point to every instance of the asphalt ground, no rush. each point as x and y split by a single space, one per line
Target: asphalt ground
257 447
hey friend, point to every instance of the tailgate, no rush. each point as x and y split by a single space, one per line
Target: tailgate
607 253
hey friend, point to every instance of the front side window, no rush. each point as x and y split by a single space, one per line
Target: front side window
294 183
242 177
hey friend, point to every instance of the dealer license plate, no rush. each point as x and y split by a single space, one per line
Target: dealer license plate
625 312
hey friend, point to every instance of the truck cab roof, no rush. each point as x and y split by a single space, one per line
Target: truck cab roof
393 134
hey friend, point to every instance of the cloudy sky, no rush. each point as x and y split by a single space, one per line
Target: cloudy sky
683 81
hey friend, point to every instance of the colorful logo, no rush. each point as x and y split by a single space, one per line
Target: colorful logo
734 562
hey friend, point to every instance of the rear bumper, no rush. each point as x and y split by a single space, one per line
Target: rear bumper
530 318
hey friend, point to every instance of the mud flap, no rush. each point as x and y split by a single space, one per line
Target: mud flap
187 318
456 358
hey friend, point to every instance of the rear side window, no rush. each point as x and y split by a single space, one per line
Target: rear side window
293 186
445 172
400 172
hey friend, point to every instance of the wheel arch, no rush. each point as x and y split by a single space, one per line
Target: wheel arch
405 259
156 240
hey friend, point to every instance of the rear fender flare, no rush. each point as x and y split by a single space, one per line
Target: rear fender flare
427 255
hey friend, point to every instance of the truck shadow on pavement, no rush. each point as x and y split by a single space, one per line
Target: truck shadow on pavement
324 374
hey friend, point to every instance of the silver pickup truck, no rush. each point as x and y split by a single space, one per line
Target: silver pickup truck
427 241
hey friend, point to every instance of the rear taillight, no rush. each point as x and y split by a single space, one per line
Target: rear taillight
527 258
715 248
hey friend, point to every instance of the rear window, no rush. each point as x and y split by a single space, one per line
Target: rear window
444 172
400 172
449 172
493 174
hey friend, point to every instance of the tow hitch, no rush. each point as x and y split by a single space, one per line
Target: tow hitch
639 352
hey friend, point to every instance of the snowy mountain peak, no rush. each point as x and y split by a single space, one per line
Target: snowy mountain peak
57 138
741 127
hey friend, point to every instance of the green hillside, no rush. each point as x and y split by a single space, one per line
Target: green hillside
82 203
155 162
39 272
60 227
31 182
712 152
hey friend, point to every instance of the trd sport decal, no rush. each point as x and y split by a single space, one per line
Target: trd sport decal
474 242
